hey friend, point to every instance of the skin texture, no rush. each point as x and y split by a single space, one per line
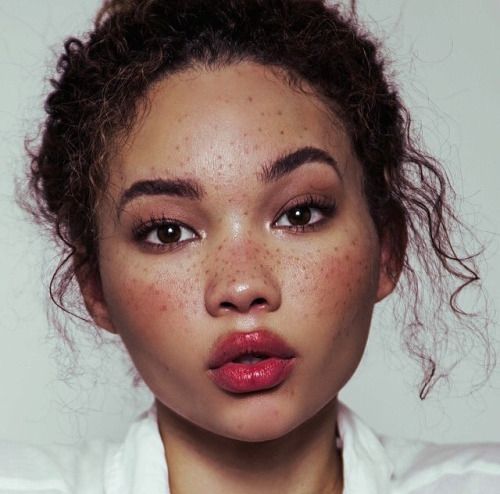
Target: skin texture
240 268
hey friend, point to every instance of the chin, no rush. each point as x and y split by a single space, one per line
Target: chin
258 421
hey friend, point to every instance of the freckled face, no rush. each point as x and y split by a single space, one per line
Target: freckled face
298 255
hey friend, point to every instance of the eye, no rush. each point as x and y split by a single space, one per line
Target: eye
169 233
163 233
307 214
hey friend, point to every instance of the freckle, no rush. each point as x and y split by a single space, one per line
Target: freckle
282 132
250 99
177 147
260 129
163 308
262 113
279 112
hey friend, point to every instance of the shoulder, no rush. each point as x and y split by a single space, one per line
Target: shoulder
378 464
53 469
427 468
137 463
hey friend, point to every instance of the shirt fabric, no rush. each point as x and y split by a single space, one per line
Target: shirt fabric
372 464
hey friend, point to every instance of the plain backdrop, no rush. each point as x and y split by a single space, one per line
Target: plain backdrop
445 56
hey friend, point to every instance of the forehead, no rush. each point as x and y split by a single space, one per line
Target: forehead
223 125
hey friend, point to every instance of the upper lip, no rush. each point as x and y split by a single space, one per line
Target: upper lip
236 344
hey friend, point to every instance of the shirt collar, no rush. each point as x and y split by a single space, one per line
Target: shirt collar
367 467
138 466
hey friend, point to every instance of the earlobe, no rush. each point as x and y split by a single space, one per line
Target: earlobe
389 270
90 284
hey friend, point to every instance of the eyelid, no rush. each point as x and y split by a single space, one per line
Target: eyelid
327 206
142 229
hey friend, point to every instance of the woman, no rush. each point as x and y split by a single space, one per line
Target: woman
237 188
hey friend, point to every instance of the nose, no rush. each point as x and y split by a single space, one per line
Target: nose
241 280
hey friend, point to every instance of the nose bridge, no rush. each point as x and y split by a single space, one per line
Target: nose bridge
241 276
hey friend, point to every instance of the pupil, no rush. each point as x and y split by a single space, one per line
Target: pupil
299 216
169 233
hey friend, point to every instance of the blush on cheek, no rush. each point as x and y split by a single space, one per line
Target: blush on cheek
347 281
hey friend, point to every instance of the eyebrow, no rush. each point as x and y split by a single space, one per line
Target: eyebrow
287 163
179 187
191 189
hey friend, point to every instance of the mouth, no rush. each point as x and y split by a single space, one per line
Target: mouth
249 358
249 348
249 362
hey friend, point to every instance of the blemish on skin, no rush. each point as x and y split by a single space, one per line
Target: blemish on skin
250 99
282 132
260 129
279 112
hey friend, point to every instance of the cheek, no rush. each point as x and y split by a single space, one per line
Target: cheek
340 279
145 299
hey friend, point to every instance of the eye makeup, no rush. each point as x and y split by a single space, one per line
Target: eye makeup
165 234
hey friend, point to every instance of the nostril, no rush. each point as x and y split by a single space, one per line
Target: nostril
259 301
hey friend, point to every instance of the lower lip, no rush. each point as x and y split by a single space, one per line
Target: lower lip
245 378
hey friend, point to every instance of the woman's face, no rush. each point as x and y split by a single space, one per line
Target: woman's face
274 235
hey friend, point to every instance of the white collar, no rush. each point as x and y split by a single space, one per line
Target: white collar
367 467
138 466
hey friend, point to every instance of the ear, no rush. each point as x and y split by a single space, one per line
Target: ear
90 284
391 265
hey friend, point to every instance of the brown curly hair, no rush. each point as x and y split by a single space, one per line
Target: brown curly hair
103 77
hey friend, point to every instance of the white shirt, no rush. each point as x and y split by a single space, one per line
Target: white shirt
372 464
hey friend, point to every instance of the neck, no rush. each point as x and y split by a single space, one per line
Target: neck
303 461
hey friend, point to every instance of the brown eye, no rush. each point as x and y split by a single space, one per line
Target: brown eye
299 216
307 215
169 233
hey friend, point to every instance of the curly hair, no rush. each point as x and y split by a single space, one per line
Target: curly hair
104 77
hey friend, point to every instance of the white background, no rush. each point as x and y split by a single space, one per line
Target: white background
446 57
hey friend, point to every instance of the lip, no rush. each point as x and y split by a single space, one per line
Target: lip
240 377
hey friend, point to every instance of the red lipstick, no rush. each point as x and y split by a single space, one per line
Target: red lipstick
246 362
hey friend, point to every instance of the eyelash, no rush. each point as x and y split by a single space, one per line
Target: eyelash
327 207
